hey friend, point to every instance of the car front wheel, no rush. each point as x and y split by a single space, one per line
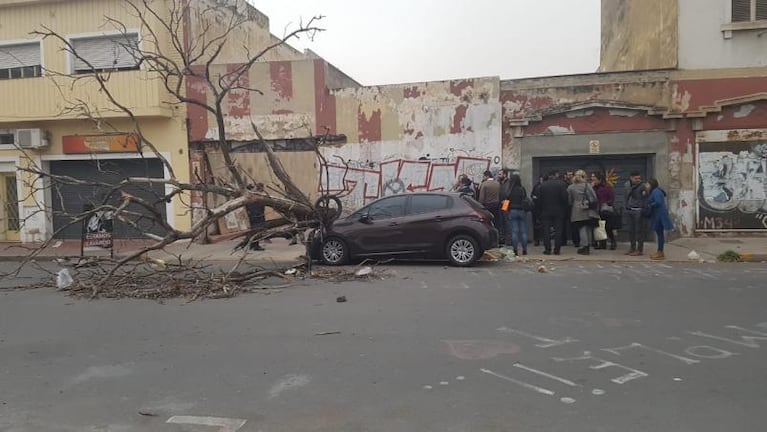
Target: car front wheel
334 252
462 250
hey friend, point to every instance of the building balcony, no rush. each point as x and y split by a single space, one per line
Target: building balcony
63 98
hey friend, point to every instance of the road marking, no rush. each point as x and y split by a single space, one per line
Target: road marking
288 382
603 364
598 392
685 360
748 341
547 375
548 342
224 424
720 353
520 383
567 400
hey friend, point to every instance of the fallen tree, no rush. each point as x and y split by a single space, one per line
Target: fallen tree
172 58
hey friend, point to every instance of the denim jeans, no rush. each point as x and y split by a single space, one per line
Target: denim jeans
518 225
661 233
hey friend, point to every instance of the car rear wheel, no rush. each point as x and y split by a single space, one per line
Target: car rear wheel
462 250
334 252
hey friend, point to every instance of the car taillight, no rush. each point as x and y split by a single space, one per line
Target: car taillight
480 217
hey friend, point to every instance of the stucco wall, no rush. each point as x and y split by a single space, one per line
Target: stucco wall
703 44
639 35
412 137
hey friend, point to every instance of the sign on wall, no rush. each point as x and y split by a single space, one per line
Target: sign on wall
732 186
98 229
113 143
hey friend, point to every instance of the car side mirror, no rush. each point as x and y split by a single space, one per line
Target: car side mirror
364 218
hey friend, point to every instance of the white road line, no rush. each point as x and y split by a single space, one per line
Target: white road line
547 375
521 383
224 424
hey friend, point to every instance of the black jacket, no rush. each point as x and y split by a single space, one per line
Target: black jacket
517 197
552 198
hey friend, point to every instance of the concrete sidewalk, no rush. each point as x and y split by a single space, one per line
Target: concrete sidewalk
280 253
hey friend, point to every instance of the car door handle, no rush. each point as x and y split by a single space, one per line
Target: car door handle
391 224
438 218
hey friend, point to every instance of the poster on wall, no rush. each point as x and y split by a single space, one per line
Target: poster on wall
98 230
732 189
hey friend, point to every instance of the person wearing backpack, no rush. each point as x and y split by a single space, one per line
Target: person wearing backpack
660 221
636 195
519 205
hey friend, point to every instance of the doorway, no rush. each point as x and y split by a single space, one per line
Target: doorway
9 194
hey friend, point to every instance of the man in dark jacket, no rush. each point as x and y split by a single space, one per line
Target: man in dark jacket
552 196
256 215
503 179
537 223
636 197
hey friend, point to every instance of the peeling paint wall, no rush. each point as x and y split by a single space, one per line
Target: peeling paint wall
214 19
289 101
639 35
413 137
679 104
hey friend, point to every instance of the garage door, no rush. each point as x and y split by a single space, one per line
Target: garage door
618 167
71 199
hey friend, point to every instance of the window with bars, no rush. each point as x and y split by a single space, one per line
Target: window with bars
749 10
108 53
20 60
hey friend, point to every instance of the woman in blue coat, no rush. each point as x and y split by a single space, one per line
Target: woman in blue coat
660 221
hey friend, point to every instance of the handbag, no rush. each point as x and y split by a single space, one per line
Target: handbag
600 231
606 208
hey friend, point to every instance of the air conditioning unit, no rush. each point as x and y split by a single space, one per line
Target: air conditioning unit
31 138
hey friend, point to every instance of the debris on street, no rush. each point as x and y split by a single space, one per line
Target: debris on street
341 299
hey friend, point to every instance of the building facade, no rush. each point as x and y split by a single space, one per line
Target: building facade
49 88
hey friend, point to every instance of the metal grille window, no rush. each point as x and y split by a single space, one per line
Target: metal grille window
6 138
749 10
20 61
106 53
12 204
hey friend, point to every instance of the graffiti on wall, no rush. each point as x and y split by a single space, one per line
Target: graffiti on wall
358 186
732 186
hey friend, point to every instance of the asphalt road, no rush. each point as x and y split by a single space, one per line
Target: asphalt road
495 348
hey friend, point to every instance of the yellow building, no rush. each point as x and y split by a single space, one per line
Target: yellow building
42 122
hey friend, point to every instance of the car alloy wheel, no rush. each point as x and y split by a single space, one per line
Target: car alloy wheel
333 252
462 250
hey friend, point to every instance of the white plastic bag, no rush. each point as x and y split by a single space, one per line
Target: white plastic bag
63 279
600 233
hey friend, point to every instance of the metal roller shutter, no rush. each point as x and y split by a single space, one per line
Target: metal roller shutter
71 199
619 168
21 55
106 52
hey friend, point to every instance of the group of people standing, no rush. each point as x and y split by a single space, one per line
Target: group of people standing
573 206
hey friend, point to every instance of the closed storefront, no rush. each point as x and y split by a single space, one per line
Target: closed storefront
69 200
617 168
732 181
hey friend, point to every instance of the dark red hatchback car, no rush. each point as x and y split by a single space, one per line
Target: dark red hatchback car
431 225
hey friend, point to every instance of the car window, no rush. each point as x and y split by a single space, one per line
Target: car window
420 204
388 208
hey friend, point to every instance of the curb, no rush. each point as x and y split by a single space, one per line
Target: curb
753 258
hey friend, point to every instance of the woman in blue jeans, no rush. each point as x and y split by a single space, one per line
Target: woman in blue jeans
517 215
